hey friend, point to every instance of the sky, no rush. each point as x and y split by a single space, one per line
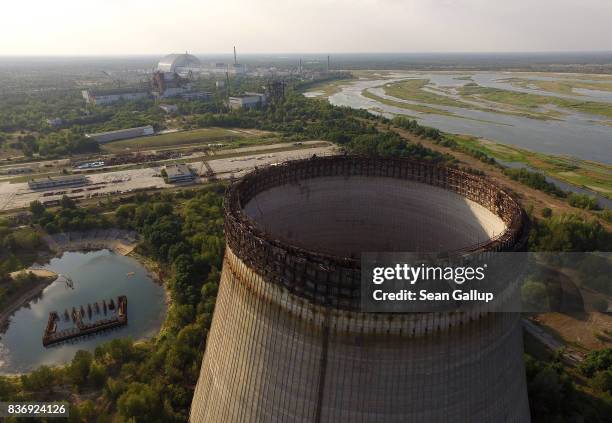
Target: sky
111 27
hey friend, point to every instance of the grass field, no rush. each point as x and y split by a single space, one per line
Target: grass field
195 136
582 173
421 108
533 101
565 86
408 106
412 89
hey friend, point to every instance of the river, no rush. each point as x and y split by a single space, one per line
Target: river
579 135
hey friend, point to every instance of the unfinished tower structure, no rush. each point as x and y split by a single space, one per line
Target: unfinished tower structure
288 341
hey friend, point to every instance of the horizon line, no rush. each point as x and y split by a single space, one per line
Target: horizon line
51 55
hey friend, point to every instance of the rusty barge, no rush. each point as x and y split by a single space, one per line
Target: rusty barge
114 316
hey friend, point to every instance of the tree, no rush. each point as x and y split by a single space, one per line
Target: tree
141 403
534 295
87 411
37 209
583 201
40 379
67 202
596 361
97 374
602 381
79 368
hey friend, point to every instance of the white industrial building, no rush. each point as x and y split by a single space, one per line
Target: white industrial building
121 134
57 181
247 101
179 173
101 98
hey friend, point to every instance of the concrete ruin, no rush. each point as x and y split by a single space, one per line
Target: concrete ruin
288 341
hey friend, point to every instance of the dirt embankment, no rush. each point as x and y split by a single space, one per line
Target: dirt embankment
118 240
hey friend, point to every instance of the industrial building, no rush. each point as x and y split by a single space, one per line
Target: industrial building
104 97
121 134
16 171
247 101
57 181
289 342
171 84
178 173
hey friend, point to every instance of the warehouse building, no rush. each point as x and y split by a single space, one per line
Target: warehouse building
178 173
57 181
247 101
101 98
121 134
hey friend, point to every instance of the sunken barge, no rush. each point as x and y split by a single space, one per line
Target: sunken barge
113 315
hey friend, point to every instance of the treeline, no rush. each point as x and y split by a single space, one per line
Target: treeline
568 232
299 118
68 217
534 180
29 111
18 249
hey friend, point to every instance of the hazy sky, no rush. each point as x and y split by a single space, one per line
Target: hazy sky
81 27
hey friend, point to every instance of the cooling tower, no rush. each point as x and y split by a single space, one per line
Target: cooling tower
288 341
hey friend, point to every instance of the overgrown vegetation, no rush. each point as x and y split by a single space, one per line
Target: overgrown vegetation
534 180
554 397
18 249
568 232
150 381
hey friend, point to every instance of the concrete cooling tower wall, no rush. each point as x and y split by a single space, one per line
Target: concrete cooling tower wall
288 342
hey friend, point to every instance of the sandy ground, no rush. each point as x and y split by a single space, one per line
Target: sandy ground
117 240
43 273
587 331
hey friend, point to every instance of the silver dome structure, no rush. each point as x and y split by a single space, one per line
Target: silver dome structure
177 62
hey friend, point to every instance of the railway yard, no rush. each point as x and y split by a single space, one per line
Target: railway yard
124 174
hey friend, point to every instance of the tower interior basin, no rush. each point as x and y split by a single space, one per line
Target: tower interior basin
345 216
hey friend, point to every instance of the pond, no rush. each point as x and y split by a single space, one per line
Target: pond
96 275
